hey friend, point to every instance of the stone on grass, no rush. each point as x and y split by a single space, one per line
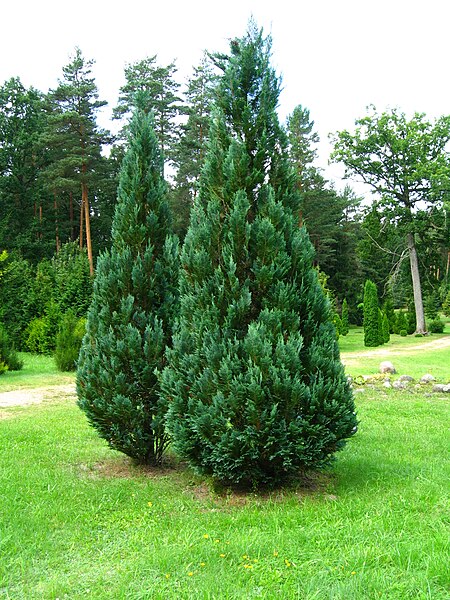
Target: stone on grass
387 367
400 385
441 388
427 378
406 378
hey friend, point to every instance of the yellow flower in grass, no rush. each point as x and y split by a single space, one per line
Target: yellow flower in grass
150 504
248 566
167 575
275 553
206 536
202 564
287 563
190 573
222 555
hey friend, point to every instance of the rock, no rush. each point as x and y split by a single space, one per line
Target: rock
387 367
427 378
406 378
400 385
441 388
387 383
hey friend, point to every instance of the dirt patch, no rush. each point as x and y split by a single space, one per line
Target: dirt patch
382 353
26 397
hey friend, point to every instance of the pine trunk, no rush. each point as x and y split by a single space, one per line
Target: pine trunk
85 203
55 206
417 288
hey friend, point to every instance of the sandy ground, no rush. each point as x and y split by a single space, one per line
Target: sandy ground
34 396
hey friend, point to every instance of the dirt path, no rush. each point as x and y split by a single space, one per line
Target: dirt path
382 353
34 396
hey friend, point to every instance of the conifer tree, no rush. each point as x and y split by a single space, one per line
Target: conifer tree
344 318
128 325
255 386
371 316
385 327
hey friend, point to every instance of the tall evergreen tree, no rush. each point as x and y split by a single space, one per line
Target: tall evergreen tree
26 223
129 321
191 148
75 139
255 387
161 89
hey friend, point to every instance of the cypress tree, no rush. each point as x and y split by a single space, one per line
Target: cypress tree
385 327
371 317
255 386
128 326
344 318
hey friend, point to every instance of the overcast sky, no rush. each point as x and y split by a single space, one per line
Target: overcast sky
335 56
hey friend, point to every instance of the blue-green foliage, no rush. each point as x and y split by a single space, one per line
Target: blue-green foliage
133 306
255 388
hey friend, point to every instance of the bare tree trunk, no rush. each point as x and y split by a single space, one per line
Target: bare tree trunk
71 217
81 222
417 288
40 221
55 206
85 202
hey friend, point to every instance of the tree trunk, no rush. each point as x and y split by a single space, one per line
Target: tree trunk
55 206
71 217
417 288
81 223
85 203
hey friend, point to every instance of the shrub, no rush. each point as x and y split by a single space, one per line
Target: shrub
401 323
8 355
255 388
68 341
36 337
344 318
446 305
337 324
436 326
3 367
371 323
411 321
133 306
431 306
403 332
385 329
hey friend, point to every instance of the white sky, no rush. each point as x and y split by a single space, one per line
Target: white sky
335 56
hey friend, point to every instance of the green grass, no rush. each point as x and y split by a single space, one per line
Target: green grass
400 351
38 371
79 521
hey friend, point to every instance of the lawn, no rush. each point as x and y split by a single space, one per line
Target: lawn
81 521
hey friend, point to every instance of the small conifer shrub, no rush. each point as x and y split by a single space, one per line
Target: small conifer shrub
8 355
68 341
371 322
254 384
133 306
344 318
385 328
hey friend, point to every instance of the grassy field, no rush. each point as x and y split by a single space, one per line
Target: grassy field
78 520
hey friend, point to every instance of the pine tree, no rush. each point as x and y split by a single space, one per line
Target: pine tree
344 318
76 140
133 306
161 93
255 387
371 317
